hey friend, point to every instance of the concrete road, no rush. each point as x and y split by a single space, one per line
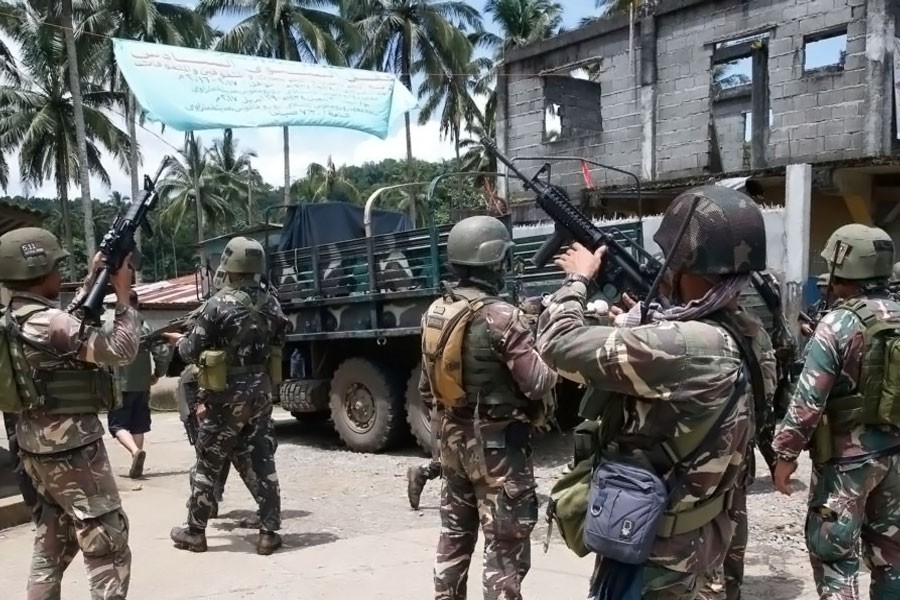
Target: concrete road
348 533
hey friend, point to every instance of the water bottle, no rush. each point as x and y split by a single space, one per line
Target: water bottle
298 368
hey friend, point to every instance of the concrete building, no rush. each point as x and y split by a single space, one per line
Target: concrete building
815 135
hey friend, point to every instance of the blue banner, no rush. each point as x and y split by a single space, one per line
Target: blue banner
191 90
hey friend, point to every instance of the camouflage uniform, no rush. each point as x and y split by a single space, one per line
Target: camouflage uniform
238 422
418 476
673 375
854 492
78 505
485 449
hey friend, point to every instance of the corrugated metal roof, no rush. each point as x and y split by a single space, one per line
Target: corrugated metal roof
177 293
13 216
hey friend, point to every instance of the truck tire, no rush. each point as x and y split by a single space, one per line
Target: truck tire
417 414
366 405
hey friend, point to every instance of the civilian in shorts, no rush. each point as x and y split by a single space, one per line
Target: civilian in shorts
129 423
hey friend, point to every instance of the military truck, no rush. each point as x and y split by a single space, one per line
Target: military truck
355 282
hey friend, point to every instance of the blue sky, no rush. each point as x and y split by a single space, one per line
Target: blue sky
307 144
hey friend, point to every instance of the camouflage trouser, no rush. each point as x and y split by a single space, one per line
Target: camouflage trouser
726 581
849 502
244 434
78 508
493 484
26 486
433 469
664 584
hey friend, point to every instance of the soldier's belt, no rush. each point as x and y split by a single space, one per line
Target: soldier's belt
677 523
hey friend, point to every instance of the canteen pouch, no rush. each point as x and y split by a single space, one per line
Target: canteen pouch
10 381
213 370
625 505
568 504
586 441
276 365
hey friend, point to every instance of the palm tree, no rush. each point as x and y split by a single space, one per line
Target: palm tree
450 91
38 116
407 37
328 182
237 175
298 30
522 22
192 184
149 21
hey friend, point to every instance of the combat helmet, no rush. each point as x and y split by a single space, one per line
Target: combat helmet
726 234
859 252
895 273
480 241
29 253
243 255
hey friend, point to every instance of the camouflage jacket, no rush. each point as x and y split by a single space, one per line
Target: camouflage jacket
39 432
675 375
513 345
832 367
136 375
218 323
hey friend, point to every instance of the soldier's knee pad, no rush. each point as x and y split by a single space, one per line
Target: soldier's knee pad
516 510
829 537
104 535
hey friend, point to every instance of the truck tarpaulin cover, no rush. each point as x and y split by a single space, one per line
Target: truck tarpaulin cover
331 222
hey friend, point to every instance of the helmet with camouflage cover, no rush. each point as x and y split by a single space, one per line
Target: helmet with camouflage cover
480 241
726 235
29 253
895 273
243 255
859 252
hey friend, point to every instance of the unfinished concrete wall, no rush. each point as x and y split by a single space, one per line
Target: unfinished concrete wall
817 110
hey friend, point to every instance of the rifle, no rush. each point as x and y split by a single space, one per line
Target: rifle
622 269
118 243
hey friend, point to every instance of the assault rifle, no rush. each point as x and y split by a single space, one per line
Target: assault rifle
625 271
118 243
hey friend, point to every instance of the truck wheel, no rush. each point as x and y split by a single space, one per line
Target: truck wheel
366 405
417 414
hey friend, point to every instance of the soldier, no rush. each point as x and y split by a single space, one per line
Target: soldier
66 382
673 378
482 369
232 344
418 476
819 307
846 410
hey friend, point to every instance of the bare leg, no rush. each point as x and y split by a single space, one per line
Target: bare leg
138 440
124 437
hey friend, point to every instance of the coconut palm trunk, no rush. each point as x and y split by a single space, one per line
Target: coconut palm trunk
133 166
62 190
80 135
406 78
287 165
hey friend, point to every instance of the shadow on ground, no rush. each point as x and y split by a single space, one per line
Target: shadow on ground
775 586
239 518
292 541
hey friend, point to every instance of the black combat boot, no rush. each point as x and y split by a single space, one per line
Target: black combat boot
249 522
186 539
416 478
268 542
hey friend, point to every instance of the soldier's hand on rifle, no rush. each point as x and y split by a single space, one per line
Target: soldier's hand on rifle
807 329
578 260
171 337
200 411
121 281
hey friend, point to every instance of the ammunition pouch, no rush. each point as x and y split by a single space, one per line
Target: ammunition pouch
568 503
75 391
586 441
212 372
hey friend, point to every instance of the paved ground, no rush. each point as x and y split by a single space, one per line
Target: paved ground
348 528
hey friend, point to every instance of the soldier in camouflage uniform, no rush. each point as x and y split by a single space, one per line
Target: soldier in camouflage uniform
485 453
60 436
855 487
672 375
818 309
237 328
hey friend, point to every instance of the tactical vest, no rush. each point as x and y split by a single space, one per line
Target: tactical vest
216 366
458 356
73 387
876 400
